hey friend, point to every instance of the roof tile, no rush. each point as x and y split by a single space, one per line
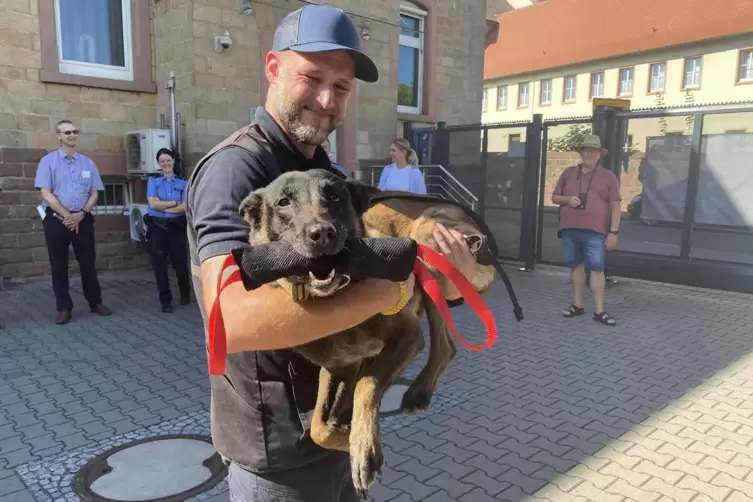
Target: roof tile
563 32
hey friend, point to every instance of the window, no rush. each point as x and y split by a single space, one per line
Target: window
570 83
597 85
94 38
657 74
745 70
113 199
484 98
692 73
626 82
546 92
501 97
410 60
523 95
513 138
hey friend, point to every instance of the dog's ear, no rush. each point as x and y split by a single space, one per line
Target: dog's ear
360 195
251 208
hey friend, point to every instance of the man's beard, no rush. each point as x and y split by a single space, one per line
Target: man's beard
290 117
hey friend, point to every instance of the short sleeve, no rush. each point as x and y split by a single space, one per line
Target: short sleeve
417 184
383 177
559 188
215 196
97 185
613 188
151 188
43 178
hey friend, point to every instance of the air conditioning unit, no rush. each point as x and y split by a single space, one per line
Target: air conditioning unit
136 213
141 149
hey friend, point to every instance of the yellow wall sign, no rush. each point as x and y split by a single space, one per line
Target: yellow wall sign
614 103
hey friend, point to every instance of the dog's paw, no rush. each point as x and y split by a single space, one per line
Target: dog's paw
415 400
366 461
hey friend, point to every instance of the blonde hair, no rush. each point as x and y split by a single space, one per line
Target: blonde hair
410 154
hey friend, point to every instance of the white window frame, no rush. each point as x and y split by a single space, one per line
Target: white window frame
627 85
414 43
527 94
112 209
502 93
484 100
696 67
661 75
550 90
574 88
600 84
333 146
746 60
93 69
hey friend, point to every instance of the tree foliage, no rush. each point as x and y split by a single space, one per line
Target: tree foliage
570 141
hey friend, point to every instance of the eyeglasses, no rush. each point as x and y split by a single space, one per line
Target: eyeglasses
68 133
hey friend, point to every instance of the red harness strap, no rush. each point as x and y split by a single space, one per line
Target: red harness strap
217 342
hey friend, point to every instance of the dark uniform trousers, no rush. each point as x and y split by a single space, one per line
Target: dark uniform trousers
167 239
58 238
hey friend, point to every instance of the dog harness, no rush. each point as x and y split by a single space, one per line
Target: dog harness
380 258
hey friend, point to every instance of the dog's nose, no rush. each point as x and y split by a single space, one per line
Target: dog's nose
322 234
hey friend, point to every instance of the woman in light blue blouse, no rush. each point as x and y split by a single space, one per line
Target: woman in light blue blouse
402 174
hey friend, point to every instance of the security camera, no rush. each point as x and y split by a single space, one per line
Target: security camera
222 42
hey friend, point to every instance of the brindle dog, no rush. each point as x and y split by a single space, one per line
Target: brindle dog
316 211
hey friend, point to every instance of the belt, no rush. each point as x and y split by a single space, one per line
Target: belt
50 212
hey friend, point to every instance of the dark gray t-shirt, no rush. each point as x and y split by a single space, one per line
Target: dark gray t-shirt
261 407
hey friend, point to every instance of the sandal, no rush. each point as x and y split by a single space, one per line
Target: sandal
573 311
605 318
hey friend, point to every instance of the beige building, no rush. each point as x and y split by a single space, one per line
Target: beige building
107 69
665 59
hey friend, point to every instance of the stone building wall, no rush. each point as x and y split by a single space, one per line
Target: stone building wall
215 93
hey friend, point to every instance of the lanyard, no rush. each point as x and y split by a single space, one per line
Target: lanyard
580 181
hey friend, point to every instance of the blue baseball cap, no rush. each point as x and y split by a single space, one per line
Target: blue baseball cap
321 28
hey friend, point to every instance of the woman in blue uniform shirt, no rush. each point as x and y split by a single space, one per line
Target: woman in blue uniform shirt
166 230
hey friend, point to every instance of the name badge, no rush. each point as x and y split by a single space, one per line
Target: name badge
86 174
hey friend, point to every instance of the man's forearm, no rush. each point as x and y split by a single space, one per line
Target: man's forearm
560 200
615 217
54 203
91 202
268 318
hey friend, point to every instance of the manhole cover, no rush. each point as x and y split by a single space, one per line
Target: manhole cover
157 469
393 396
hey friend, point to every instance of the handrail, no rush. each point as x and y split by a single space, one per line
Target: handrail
444 176
452 188
453 178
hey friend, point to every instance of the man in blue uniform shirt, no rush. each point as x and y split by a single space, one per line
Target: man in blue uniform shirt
70 183
166 230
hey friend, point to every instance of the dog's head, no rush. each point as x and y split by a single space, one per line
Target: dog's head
314 211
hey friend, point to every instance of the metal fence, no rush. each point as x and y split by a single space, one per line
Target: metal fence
685 176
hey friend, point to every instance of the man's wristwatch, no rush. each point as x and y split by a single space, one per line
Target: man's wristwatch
176 203
615 232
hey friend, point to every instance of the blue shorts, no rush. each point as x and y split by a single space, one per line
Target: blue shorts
584 247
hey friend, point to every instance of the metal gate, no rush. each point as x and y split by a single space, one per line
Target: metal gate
498 165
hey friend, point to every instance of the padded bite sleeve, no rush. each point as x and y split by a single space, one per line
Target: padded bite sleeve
378 258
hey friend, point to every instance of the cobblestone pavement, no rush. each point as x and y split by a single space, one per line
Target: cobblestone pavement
659 408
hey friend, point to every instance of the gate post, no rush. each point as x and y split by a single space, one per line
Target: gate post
530 192
605 127
440 148
481 209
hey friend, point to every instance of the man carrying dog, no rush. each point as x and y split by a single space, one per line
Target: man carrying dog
261 407
589 198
